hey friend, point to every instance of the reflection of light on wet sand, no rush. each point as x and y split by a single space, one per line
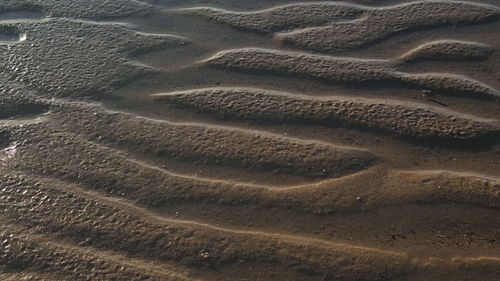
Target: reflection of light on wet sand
8 153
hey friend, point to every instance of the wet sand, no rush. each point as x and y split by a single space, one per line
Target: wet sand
249 140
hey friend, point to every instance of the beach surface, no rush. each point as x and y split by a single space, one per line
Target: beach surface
250 140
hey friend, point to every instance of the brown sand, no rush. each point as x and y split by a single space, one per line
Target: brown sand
249 140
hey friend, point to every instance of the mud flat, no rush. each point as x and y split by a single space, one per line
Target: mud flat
130 150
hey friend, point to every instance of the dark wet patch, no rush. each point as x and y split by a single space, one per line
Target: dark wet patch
9 34
4 139
24 109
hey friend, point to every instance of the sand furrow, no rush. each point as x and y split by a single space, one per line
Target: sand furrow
408 120
347 70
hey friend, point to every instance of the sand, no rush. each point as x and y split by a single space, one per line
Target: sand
249 140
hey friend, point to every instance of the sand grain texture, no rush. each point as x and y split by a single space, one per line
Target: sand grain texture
161 146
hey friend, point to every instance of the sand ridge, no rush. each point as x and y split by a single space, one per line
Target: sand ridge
448 50
350 70
395 118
